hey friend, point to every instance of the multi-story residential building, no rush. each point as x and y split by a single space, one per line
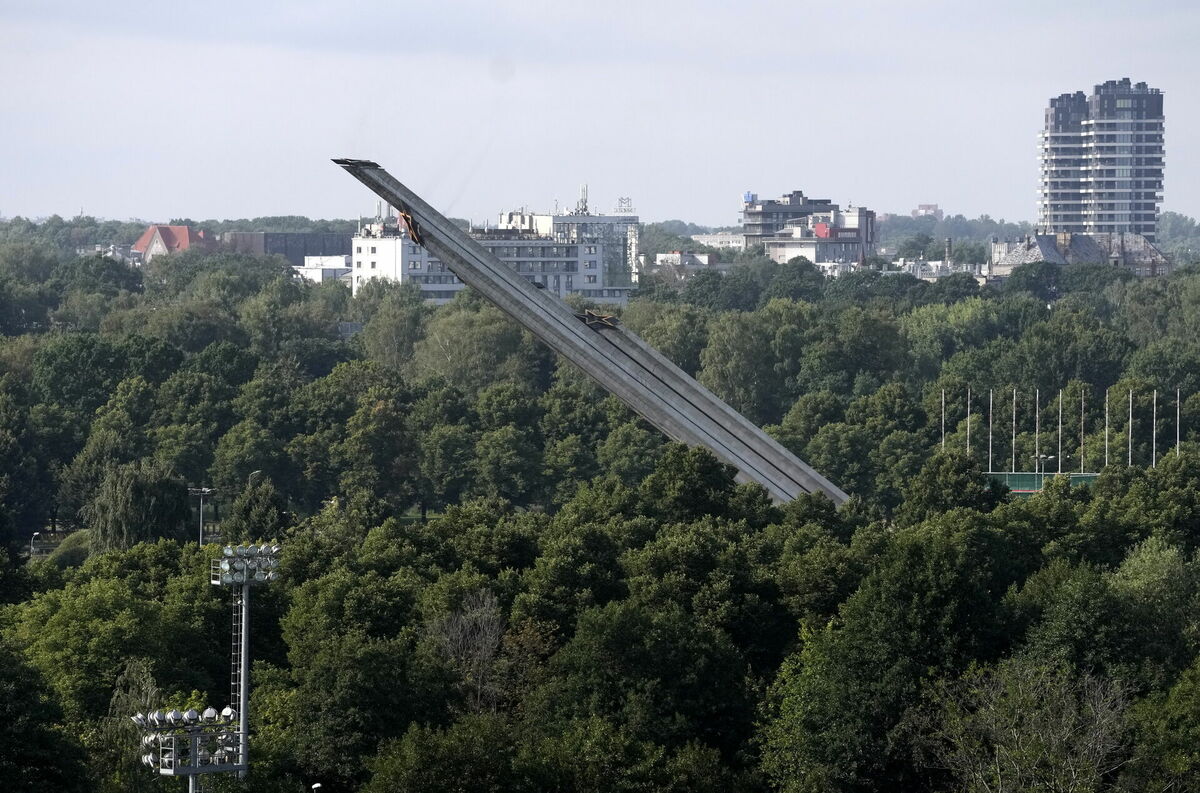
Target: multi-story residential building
384 250
731 240
830 235
763 219
1102 161
618 233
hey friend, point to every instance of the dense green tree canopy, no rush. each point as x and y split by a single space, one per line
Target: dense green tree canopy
496 577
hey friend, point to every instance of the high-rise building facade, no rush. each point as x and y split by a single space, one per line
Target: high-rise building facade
1102 161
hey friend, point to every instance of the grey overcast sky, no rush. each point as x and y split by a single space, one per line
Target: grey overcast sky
218 109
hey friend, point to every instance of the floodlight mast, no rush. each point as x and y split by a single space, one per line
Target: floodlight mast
619 361
192 743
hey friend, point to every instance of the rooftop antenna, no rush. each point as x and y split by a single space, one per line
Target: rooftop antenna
581 207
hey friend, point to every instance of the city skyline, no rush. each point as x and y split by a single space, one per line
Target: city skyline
681 107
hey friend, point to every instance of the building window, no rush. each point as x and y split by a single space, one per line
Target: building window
591 279
358 264
372 265
591 265
358 249
372 249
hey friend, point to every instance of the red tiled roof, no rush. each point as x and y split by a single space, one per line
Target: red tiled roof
175 238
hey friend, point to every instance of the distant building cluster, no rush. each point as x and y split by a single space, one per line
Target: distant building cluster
1101 178
815 228
581 253
1124 249
160 239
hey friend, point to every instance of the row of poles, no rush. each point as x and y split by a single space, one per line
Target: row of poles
1038 456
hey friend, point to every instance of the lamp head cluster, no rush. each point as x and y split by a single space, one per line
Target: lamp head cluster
190 741
246 564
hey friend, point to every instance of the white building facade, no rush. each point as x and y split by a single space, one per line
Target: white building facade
678 266
619 234
722 240
319 269
384 250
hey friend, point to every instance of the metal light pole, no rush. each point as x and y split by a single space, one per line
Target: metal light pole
1014 432
192 744
202 492
241 567
36 534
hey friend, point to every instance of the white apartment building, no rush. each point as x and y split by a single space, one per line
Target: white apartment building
732 240
678 265
619 233
384 250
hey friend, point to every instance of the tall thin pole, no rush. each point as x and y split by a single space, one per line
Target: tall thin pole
968 419
1014 432
1037 430
989 430
943 418
244 683
1106 427
202 517
1129 460
1060 430
1154 431
1081 439
1177 421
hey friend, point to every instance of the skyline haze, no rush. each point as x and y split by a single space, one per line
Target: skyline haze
134 110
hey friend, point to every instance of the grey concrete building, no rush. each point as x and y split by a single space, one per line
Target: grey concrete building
766 218
292 245
1102 161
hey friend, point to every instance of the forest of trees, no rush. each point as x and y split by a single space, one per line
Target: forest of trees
496 578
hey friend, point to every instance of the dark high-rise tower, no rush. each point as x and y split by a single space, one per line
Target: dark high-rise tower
1102 160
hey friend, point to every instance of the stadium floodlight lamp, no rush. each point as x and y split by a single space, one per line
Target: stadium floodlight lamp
150 759
174 717
209 715
139 719
156 719
191 716
229 714
240 550
227 550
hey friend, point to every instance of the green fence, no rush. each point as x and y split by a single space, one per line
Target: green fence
1026 483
